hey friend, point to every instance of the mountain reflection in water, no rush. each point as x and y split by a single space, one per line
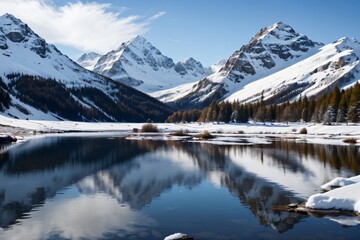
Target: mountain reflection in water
98 187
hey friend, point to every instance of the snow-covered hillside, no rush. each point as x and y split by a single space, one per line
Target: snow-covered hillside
277 61
42 83
139 64
335 64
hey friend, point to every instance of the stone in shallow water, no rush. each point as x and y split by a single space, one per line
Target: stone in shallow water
7 139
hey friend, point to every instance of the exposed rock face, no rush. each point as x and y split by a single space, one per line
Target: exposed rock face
201 96
3 44
191 66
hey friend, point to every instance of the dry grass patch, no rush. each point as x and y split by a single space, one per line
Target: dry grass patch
350 140
205 135
180 133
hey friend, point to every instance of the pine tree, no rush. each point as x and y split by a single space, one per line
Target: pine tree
184 117
212 112
260 113
335 97
305 109
235 116
268 114
354 104
342 110
203 115
224 112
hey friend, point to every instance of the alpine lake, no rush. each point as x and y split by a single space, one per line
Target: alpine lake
107 187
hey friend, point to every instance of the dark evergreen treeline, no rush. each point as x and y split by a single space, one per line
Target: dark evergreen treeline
49 95
334 107
4 96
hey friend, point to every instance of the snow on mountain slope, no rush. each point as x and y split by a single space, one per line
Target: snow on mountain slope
217 66
88 60
23 51
42 83
335 64
139 64
270 50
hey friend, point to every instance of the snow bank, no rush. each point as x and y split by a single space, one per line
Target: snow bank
347 197
175 236
340 182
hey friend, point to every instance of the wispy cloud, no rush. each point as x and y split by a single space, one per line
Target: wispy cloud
156 16
89 26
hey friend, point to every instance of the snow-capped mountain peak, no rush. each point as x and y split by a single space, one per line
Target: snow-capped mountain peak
149 54
139 41
346 43
267 51
88 60
278 30
14 30
139 64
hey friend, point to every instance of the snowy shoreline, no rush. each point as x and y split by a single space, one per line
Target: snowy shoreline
316 133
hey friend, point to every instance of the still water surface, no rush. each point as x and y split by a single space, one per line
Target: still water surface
112 188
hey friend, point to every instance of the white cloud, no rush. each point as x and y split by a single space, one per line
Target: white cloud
81 217
86 26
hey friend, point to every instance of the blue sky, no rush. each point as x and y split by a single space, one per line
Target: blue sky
206 30
209 30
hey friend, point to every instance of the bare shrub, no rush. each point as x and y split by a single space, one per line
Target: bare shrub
303 131
149 127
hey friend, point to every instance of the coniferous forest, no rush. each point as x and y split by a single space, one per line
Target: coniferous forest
48 95
335 107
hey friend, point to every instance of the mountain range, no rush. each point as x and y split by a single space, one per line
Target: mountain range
39 82
136 81
277 64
